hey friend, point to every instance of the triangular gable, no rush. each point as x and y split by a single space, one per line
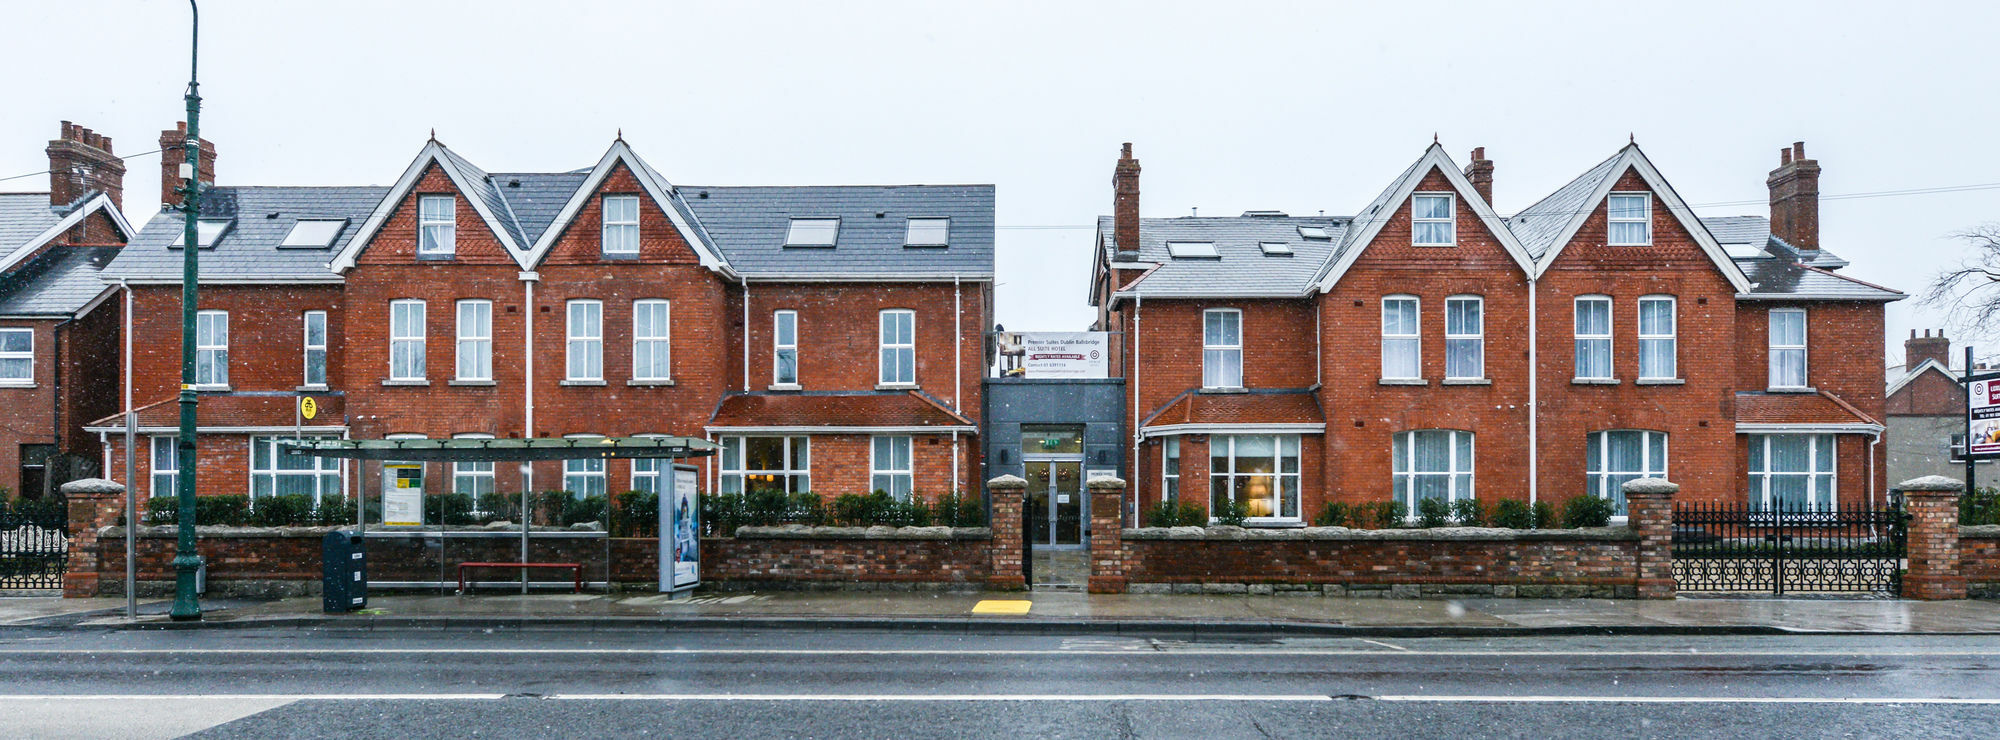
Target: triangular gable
1911 376
663 193
1631 158
96 203
1368 224
433 153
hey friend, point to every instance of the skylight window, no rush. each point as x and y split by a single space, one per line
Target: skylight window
1279 248
207 231
813 232
1313 232
1189 250
1745 251
928 232
317 233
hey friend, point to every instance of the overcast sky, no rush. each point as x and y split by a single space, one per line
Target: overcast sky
1231 106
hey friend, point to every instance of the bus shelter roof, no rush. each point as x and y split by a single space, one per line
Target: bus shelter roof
500 450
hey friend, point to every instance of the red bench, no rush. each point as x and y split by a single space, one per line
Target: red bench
576 570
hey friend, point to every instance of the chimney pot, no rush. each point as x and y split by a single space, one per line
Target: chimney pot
1784 156
1794 187
173 159
1480 172
1929 346
80 163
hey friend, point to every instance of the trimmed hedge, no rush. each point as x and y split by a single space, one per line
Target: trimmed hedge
722 514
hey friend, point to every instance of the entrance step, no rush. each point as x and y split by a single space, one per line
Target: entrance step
1062 570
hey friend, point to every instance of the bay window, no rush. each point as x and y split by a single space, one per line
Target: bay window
765 464
166 464
1792 472
1431 463
274 473
889 467
1261 472
1222 348
1620 455
1170 469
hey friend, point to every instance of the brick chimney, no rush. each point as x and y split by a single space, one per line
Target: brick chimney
173 154
1480 172
1125 205
1795 198
1917 349
80 163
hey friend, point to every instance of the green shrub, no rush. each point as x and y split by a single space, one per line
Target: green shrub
1331 514
1545 515
1981 506
1513 514
453 509
334 511
1176 514
208 510
1386 514
1586 510
1468 512
1433 512
959 510
1232 514
498 507
638 515
279 511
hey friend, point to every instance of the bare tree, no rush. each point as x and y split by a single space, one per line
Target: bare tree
1969 294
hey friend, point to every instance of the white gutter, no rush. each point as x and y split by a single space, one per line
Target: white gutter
1534 397
1169 430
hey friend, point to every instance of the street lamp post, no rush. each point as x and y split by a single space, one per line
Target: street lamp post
187 561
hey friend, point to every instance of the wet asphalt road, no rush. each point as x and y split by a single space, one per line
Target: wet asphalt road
264 683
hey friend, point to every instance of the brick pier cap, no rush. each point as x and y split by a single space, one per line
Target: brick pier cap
1930 483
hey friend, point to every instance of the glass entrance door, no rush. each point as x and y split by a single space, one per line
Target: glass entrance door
1055 502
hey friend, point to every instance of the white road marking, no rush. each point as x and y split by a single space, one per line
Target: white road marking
1679 699
246 697
1167 650
1402 698
1386 645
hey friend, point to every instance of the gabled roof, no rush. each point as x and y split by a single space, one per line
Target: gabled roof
28 222
860 410
663 194
260 218
1911 375
1369 221
1240 268
472 182
1547 226
749 225
58 282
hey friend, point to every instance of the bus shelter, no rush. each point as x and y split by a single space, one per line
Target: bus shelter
413 527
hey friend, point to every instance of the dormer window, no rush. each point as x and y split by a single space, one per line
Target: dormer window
1431 220
1192 250
928 232
437 225
1313 232
621 225
1629 220
207 232
313 233
813 232
1276 248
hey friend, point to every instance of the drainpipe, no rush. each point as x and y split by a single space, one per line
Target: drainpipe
745 284
131 486
1138 302
957 369
528 408
1873 447
1534 397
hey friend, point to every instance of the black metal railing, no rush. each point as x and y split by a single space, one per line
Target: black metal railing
1788 549
34 547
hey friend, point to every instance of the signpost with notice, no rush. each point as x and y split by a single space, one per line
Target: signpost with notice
1982 418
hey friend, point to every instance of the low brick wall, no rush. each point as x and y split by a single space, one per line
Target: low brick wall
242 561
888 558
1403 563
1980 553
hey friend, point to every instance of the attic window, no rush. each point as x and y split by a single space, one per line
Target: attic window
1277 248
1745 251
314 233
207 231
1191 250
1313 232
813 232
928 232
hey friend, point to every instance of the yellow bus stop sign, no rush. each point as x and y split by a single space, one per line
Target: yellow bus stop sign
308 408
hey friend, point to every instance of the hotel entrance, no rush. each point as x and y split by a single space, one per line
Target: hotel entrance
1052 462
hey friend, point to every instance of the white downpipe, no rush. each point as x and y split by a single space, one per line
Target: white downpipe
1534 396
745 284
1873 447
527 409
954 461
957 354
1138 476
131 486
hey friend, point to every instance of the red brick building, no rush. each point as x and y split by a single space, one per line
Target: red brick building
828 337
58 328
1926 411
1428 347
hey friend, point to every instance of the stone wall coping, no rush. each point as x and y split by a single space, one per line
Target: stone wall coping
803 532
1650 486
92 487
1980 531
1435 534
230 532
1930 483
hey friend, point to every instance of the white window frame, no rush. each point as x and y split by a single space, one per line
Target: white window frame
902 480
1170 469
1819 502
322 468
659 340
887 348
1450 219
294 239
217 354
1476 338
780 348
1597 472
309 347
472 471
585 470
1644 220
437 234
1192 250
910 238
652 475
1278 475
812 223
734 458
207 231
587 347
1671 337
1403 473
1608 351
171 444
1415 337
28 355
620 230
1772 348
475 342
1220 358
418 362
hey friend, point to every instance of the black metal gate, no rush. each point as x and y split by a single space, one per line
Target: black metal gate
34 544
1734 548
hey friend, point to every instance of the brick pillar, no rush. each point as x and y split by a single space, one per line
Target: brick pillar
94 503
1649 509
1107 528
1006 494
1932 502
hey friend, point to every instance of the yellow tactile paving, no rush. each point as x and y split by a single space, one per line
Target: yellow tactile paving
1001 606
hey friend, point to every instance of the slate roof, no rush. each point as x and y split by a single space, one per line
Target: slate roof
249 251
1241 267
813 409
24 216
58 282
1782 278
1255 407
1797 408
534 198
749 225
233 410
1539 226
